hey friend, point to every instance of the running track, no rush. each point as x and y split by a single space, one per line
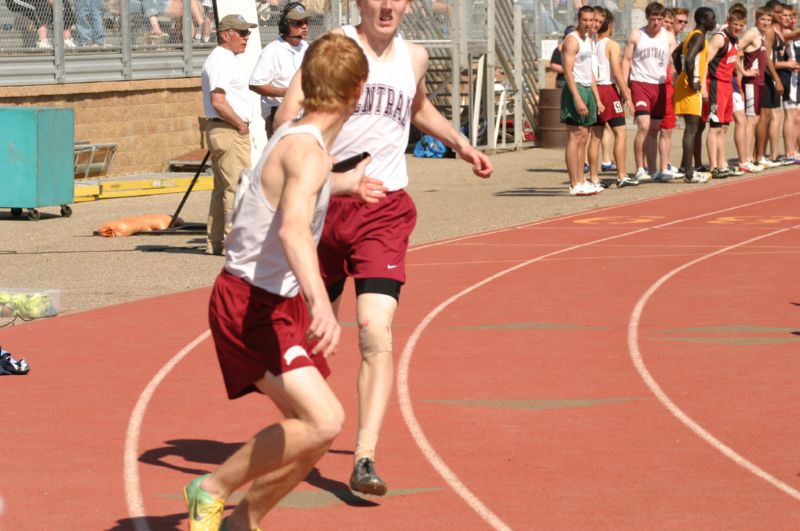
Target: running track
634 367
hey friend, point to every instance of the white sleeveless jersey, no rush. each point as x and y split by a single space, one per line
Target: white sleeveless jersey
650 58
253 249
793 90
582 72
382 120
603 75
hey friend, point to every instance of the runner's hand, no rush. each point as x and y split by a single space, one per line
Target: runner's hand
371 190
324 329
481 165
581 107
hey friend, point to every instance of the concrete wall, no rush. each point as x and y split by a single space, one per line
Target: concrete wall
150 121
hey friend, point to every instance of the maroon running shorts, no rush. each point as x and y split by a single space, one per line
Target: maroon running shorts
669 121
366 240
649 98
613 111
256 331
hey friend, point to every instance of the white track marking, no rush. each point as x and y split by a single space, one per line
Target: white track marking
636 357
133 490
404 394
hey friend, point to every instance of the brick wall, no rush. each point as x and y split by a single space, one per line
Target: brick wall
151 121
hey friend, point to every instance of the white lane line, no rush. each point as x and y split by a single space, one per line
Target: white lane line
133 490
404 394
636 357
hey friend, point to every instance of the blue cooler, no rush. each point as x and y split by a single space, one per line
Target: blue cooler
36 159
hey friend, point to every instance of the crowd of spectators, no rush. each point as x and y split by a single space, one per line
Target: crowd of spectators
92 23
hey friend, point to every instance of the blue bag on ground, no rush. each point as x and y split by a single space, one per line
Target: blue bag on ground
429 147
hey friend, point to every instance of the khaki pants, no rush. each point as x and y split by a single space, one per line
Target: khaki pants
230 154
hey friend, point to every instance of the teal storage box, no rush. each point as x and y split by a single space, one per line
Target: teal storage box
36 158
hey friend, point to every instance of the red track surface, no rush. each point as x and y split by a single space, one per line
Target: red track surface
519 349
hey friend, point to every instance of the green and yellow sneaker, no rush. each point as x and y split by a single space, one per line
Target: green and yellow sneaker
205 511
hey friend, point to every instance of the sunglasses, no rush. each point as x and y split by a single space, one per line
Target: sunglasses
679 21
242 33
299 23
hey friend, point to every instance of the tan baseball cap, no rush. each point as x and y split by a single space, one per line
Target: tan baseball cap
236 22
298 12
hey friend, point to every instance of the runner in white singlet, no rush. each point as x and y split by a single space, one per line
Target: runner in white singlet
269 313
369 242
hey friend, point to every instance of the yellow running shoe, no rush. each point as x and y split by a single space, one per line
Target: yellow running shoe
205 511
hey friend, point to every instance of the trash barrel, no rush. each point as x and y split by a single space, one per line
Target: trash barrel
553 134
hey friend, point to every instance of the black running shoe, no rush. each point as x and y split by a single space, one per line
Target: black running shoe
365 480
9 365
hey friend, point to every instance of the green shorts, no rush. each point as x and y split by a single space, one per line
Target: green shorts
569 113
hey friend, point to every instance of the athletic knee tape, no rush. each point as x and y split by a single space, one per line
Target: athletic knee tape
374 339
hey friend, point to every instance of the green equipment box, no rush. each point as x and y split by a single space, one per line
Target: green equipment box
36 159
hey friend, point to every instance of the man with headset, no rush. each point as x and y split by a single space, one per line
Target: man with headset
279 61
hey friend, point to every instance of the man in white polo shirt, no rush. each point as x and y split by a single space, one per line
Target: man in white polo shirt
227 105
279 61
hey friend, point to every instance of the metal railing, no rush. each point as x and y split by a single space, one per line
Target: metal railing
73 41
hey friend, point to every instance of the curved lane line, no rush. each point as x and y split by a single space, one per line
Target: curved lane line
404 394
636 357
133 491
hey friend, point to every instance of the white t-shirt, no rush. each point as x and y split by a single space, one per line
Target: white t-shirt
253 249
224 71
276 66
382 119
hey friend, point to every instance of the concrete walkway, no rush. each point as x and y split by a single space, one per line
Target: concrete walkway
93 271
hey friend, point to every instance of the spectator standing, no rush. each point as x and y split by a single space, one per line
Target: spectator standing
753 49
40 12
722 59
613 93
89 22
226 101
580 101
667 171
647 53
691 62
280 60
768 127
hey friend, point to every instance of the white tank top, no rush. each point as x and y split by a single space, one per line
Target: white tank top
583 60
382 120
650 58
603 75
253 249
